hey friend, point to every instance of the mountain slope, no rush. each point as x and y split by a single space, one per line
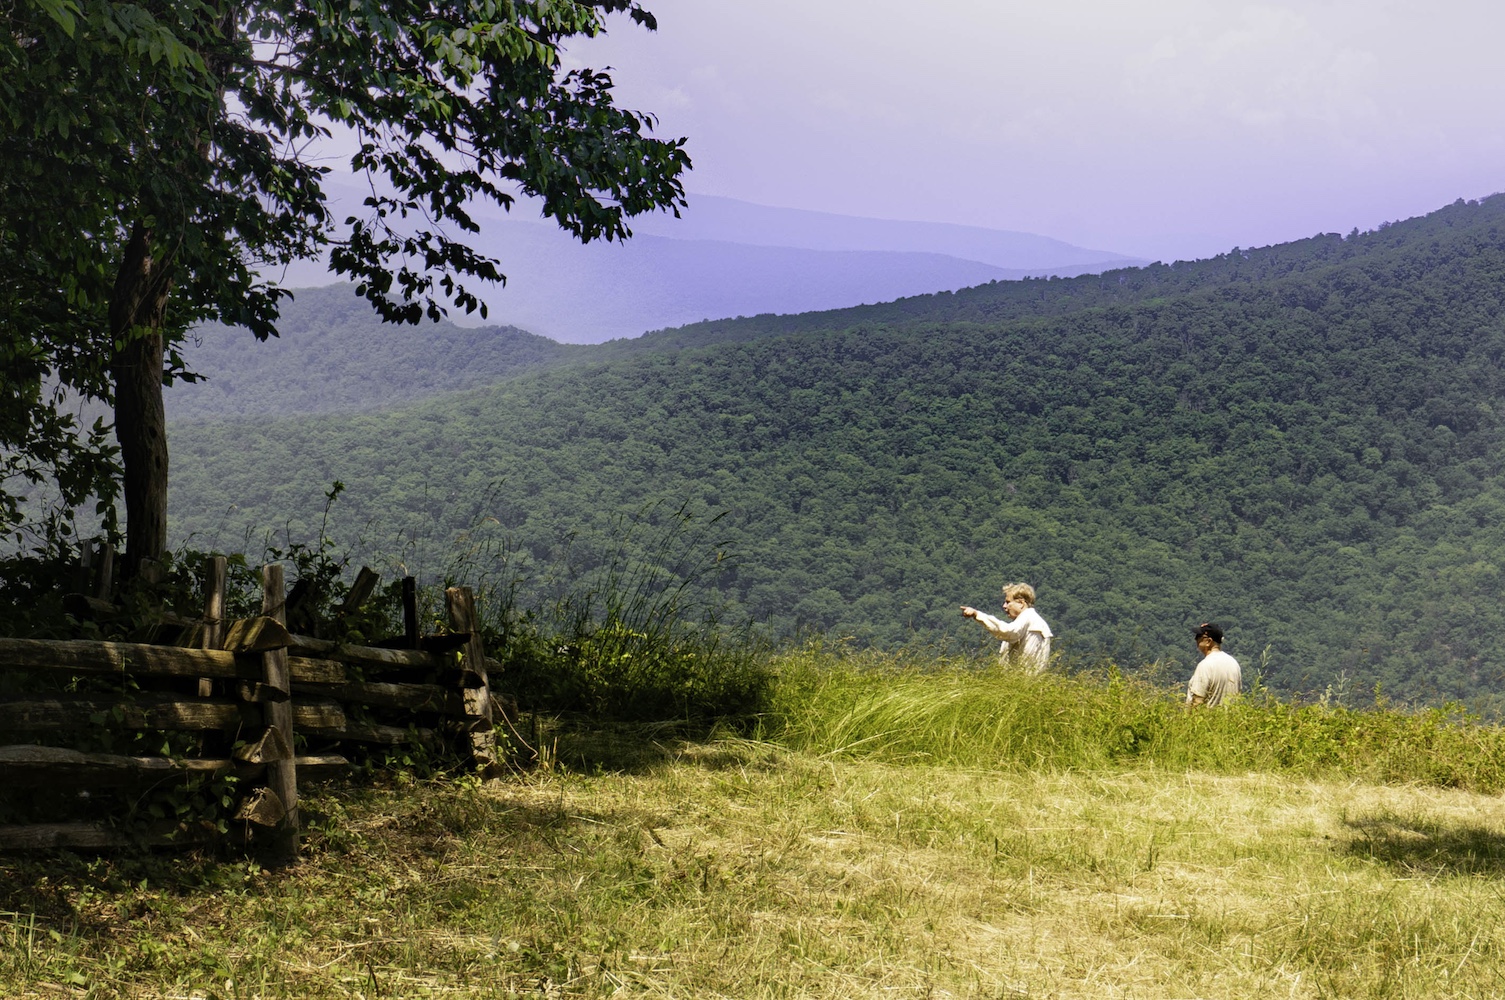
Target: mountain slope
1314 456
334 355
333 348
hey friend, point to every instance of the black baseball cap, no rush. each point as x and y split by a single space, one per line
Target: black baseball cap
1212 630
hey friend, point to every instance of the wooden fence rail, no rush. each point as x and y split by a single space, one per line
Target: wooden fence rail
251 691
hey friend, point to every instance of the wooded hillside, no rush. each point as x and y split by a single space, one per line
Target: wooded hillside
1303 443
332 355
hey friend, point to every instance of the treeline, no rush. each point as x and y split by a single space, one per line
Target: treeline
1311 455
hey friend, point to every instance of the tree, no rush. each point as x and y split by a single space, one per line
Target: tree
158 157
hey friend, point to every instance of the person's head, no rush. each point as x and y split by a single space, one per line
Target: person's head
1208 636
1017 597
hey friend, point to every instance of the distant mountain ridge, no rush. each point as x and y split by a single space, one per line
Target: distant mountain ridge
730 220
726 258
334 349
723 259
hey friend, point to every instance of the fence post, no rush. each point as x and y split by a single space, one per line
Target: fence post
282 776
475 685
213 636
410 612
105 581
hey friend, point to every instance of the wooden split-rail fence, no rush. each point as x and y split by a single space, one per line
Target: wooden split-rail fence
253 691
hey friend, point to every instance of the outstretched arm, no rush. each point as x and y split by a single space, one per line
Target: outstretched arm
1002 629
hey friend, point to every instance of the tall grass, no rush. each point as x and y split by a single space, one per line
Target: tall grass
963 714
637 633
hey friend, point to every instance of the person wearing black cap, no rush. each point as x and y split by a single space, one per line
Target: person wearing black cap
1217 678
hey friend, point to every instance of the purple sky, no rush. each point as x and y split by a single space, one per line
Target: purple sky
1159 128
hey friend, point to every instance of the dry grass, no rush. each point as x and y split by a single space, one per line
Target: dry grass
736 869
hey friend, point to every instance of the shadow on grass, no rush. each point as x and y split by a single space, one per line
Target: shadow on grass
360 827
1425 846
83 892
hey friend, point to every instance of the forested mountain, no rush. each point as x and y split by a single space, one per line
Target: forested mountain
1304 443
333 354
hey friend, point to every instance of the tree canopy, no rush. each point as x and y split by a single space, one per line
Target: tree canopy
159 159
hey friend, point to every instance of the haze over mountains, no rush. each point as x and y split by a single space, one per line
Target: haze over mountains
721 260
729 220
727 258
1305 442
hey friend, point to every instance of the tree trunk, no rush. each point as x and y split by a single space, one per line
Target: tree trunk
137 309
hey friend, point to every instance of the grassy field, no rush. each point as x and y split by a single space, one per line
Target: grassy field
892 831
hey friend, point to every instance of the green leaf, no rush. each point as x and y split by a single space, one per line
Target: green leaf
64 12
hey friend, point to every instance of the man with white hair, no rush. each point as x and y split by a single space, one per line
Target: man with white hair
1026 638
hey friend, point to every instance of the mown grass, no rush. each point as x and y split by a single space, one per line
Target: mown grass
912 844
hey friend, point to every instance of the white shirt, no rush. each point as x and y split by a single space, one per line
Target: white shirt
1026 639
1216 679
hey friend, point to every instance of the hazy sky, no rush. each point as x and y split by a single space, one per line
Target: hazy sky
1160 128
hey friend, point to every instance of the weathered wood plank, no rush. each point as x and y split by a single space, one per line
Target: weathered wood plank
371 732
310 767
271 746
50 836
95 836
84 657
104 582
360 591
322 714
325 649
257 635
145 710
324 664
408 697
30 766
211 631
215 576
152 710
258 692
410 610
306 671
312 660
262 807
